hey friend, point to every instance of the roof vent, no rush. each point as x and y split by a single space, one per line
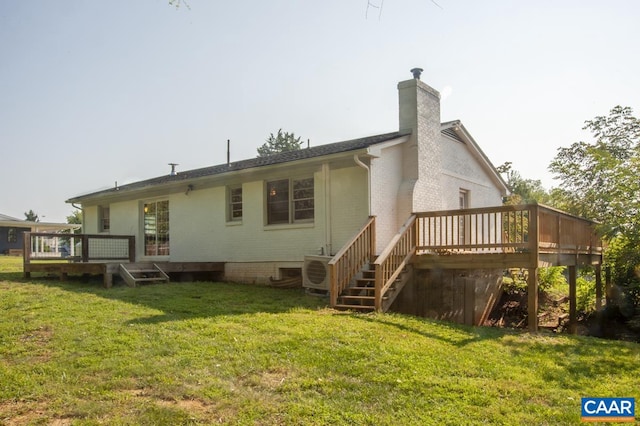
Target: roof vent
173 169
416 73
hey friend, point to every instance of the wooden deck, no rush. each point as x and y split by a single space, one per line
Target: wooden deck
524 236
527 236
87 254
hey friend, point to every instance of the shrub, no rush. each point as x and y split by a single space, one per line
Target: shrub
552 278
586 293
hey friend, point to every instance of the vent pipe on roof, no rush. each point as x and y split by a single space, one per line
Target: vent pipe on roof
173 169
416 73
228 152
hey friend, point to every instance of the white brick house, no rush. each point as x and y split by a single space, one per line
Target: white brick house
263 215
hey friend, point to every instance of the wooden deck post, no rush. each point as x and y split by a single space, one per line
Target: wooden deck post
372 240
532 283
378 288
85 248
607 285
532 299
333 287
26 254
598 287
132 249
573 325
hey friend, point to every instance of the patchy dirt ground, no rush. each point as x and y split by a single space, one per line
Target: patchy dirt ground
553 315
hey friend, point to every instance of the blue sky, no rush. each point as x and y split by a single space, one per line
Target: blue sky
97 92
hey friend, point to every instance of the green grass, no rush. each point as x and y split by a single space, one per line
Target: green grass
209 353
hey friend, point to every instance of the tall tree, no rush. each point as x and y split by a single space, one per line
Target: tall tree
75 218
281 142
599 180
523 191
31 216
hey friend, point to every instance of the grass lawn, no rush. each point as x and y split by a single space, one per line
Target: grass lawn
209 353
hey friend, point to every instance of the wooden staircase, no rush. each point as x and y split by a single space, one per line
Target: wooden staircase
142 273
361 295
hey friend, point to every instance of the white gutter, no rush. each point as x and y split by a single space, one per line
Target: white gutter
364 166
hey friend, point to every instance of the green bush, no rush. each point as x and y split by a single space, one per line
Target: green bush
552 278
623 257
586 293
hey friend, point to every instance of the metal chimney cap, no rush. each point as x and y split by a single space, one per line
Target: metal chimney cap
416 73
173 169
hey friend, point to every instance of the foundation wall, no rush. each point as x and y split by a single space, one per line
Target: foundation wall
460 296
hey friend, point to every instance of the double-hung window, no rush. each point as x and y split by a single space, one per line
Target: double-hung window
235 203
103 218
290 201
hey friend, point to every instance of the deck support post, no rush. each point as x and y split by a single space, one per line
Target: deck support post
26 254
573 325
598 287
607 285
532 300
532 283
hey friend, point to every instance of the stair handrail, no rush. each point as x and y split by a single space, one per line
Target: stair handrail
394 258
350 259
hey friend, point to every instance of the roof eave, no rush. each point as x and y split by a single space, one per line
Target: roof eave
463 133
179 183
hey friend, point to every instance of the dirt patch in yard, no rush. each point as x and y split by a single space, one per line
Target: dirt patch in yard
553 315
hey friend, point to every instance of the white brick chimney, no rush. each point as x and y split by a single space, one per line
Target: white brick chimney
419 113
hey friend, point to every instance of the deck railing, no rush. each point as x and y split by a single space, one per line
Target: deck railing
505 229
561 232
78 247
394 258
355 254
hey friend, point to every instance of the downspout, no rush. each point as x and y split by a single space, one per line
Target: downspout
364 166
82 211
328 243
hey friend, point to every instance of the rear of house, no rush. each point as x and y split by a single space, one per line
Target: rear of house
262 216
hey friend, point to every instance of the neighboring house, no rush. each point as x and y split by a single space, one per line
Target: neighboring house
261 216
12 232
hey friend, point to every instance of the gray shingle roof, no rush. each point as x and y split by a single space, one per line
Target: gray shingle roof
5 218
283 157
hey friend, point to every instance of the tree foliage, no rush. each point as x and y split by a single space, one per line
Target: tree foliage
31 216
523 191
281 142
599 180
75 217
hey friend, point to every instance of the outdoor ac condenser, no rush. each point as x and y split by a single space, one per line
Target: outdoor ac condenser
315 272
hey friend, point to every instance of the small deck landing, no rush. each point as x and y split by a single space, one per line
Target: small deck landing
109 269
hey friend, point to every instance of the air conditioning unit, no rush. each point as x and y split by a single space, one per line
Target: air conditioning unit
315 272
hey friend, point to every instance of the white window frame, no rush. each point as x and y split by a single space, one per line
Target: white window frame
104 219
300 207
161 246
234 205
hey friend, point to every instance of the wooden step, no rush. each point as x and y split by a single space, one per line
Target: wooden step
136 274
150 279
352 297
355 307
355 289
